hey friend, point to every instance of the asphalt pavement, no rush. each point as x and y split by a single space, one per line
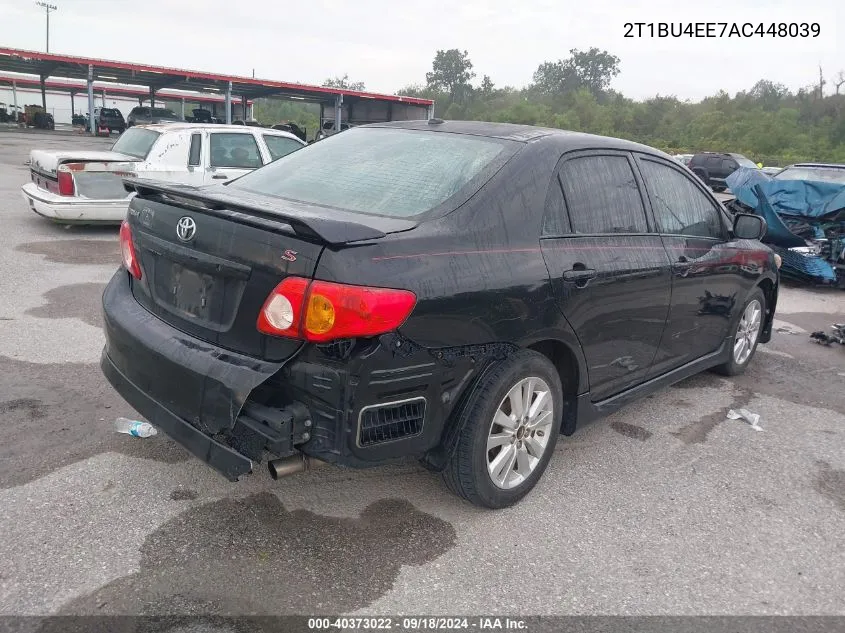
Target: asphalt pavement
666 507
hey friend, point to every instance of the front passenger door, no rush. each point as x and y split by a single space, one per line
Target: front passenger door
609 270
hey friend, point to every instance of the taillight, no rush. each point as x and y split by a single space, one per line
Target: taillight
321 311
66 186
127 249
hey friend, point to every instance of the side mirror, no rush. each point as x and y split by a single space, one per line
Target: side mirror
748 226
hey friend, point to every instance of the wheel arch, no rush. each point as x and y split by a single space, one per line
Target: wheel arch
769 286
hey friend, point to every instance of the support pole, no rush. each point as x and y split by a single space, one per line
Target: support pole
91 122
152 97
243 109
15 98
72 109
229 103
338 111
43 93
431 111
104 97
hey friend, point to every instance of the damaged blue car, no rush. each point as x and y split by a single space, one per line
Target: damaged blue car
804 207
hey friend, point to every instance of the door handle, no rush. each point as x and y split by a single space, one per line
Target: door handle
579 276
218 177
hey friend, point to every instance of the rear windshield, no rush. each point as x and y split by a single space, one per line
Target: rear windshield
110 112
379 171
812 173
136 142
164 112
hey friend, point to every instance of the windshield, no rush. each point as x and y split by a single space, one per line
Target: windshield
379 171
164 112
744 162
813 173
136 142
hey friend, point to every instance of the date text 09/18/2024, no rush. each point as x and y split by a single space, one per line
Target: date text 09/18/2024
417 624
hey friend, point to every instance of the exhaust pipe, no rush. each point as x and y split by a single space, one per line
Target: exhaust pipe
291 465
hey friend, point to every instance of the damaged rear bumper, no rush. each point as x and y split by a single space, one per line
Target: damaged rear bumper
195 392
228 462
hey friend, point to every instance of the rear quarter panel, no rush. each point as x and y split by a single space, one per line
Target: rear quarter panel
478 272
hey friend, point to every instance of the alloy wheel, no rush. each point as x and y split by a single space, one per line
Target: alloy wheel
519 433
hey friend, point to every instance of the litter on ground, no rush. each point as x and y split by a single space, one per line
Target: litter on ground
744 414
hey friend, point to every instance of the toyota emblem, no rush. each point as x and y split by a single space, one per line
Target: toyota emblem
186 229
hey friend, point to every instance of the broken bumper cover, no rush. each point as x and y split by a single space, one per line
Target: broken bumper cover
193 392
70 210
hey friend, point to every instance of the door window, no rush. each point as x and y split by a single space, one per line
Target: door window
232 149
555 221
602 195
280 145
680 207
196 150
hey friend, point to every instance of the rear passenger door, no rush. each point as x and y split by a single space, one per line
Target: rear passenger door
706 275
231 155
608 267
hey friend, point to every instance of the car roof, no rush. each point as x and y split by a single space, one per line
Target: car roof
523 133
818 165
216 127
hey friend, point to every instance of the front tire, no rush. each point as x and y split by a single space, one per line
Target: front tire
746 334
510 428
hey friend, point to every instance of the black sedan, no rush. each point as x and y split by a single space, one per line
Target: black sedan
460 292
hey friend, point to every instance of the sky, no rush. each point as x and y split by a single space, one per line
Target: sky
389 45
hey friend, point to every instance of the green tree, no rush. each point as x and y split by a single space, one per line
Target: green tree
344 83
594 68
451 71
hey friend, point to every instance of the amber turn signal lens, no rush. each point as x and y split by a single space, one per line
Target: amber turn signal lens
320 315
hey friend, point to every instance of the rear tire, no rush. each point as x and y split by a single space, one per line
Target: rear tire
746 334
503 449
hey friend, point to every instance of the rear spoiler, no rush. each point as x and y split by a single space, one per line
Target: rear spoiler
326 224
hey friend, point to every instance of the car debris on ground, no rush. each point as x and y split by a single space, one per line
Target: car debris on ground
838 335
806 222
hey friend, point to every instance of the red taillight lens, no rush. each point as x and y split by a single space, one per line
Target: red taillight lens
127 249
321 311
66 186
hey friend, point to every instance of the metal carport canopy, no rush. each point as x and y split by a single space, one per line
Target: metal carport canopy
155 78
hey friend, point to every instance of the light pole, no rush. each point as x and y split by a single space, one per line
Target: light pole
48 7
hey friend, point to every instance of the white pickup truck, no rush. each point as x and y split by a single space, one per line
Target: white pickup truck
86 187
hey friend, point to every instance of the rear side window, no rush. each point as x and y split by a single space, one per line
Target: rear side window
196 149
602 195
728 165
280 145
555 221
713 162
679 206
234 150
382 171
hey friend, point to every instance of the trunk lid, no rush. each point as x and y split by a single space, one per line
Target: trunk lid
47 162
214 284
211 275
96 175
